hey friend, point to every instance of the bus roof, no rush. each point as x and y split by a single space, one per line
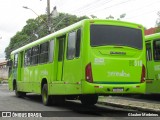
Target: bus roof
152 36
72 27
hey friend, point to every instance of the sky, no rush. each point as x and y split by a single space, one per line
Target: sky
14 16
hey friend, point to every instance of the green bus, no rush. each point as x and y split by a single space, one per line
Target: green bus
82 61
153 63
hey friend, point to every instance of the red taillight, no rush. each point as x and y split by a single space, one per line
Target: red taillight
89 77
143 74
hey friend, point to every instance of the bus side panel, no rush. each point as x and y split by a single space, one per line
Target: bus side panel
72 76
153 64
153 87
34 79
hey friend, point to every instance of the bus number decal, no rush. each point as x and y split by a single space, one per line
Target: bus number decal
99 61
138 63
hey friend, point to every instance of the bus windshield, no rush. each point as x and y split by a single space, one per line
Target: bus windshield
102 35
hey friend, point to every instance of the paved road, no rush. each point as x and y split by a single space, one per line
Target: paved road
9 102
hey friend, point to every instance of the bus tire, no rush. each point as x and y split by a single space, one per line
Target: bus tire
46 99
89 100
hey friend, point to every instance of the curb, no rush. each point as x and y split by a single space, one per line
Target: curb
144 109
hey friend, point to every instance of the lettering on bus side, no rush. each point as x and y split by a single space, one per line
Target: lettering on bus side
118 74
121 53
44 72
157 67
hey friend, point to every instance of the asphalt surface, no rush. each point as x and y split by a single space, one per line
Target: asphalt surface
71 110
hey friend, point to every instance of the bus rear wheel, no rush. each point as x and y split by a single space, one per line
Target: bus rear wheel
46 99
89 99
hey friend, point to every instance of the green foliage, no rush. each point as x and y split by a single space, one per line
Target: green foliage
38 28
93 16
110 17
122 15
157 30
64 20
158 23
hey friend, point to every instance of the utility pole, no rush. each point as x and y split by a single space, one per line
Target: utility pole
49 16
52 14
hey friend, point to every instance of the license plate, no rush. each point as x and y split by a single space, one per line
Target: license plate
117 89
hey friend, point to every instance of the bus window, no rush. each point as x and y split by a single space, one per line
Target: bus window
15 64
156 50
27 57
61 48
51 50
44 52
78 41
148 51
71 45
35 55
102 35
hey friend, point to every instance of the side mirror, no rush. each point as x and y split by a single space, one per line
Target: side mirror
9 63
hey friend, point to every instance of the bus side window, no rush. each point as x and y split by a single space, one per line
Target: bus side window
51 50
71 45
78 42
15 64
43 58
156 49
27 57
148 52
61 48
35 55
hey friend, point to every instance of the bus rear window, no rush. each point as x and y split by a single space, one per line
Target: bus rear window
102 35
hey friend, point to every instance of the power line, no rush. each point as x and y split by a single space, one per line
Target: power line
148 5
118 4
87 5
142 14
114 5
92 6
142 7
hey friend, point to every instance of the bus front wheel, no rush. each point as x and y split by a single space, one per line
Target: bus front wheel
46 99
89 99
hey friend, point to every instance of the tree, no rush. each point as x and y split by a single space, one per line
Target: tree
93 16
158 23
110 17
37 28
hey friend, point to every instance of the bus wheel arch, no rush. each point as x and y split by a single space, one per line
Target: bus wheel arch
44 81
17 93
46 99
